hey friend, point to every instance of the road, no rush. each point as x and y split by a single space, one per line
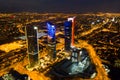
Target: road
101 73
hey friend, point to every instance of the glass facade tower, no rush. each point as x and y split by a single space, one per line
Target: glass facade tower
32 44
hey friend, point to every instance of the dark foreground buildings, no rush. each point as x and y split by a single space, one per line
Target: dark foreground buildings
77 66
14 75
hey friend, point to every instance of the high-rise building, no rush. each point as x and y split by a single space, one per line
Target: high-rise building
73 26
67 29
51 39
32 44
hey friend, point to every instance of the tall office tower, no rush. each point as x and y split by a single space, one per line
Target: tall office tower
67 29
32 45
73 26
51 39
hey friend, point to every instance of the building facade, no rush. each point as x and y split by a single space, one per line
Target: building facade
32 44
51 39
68 30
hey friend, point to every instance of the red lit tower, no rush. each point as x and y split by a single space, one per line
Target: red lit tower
73 26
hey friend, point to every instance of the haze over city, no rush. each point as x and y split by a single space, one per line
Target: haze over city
66 6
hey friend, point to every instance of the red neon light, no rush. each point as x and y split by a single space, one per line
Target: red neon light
73 25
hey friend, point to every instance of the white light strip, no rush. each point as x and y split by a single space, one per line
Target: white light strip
71 19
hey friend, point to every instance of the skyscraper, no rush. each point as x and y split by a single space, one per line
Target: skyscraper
67 29
32 45
73 26
51 39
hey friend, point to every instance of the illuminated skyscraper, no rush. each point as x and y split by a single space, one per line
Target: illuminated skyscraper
32 45
73 26
51 39
67 29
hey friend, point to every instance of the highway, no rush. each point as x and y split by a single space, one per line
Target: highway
101 73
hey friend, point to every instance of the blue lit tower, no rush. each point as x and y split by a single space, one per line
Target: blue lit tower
68 30
51 39
32 44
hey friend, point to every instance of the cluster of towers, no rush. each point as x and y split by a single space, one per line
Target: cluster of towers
32 39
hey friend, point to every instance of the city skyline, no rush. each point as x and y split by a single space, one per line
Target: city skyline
62 6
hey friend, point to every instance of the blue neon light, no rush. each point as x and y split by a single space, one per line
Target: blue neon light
51 30
68 24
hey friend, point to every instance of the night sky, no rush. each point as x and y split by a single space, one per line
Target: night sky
62 6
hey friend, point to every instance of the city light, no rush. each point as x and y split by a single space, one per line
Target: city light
51 30
82 47
73 26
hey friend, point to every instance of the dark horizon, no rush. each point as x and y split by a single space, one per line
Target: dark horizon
60 6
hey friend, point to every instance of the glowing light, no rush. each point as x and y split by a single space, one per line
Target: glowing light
71 19
51 30
67 24
35 27
11 46
73 25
